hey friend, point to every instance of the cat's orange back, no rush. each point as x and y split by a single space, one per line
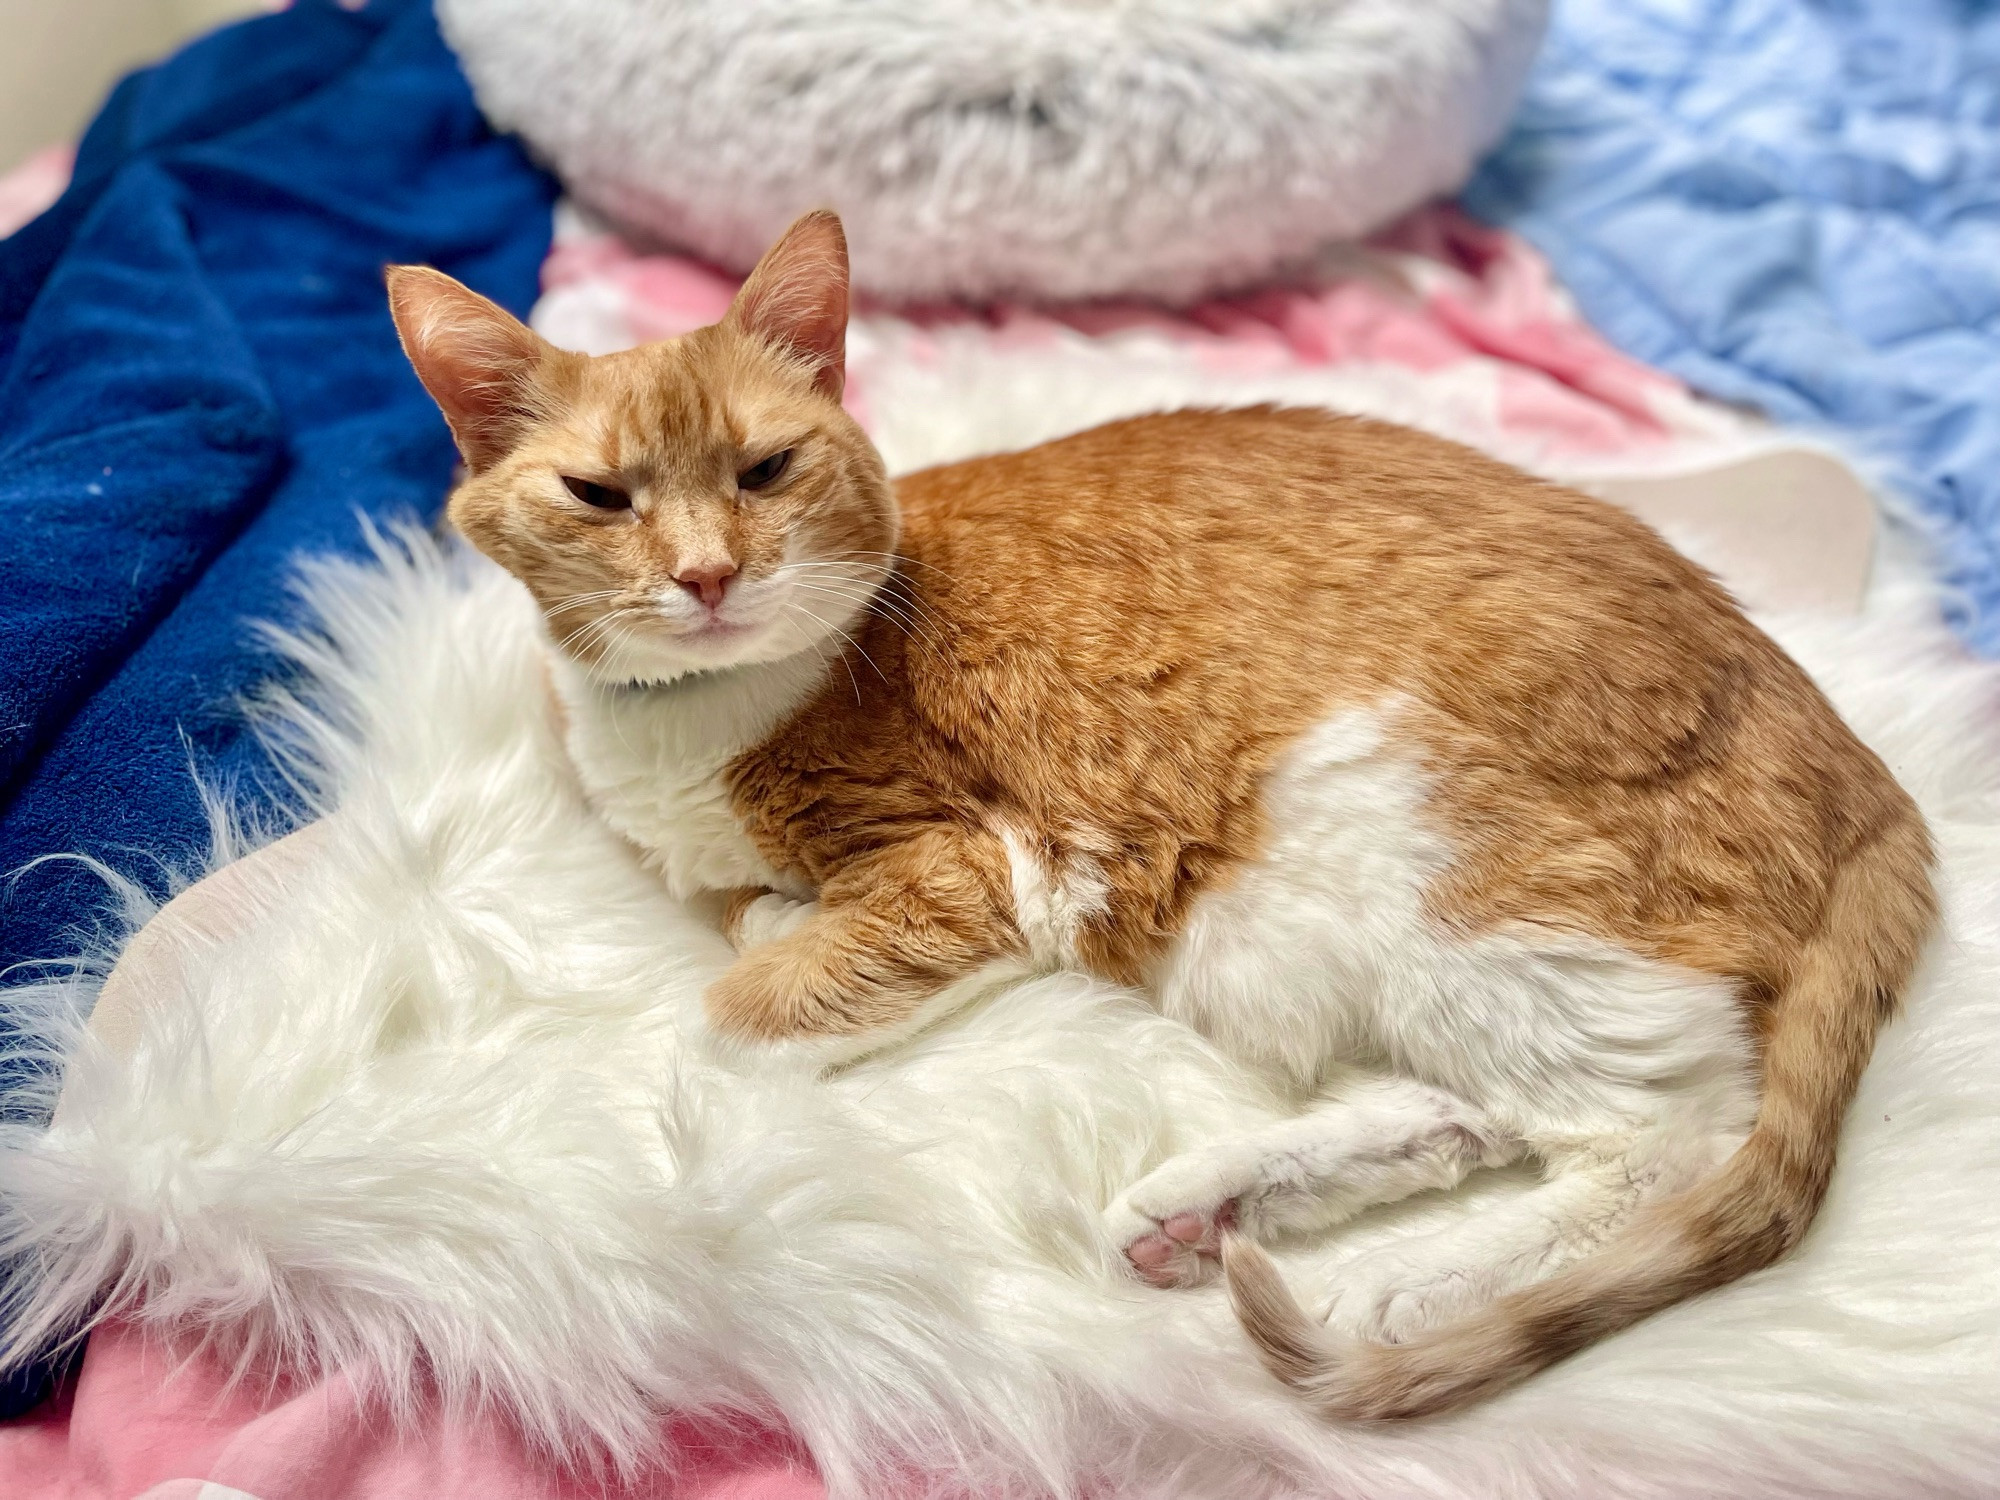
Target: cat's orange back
1114 635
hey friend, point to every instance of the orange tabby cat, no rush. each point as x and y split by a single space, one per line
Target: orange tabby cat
1457 800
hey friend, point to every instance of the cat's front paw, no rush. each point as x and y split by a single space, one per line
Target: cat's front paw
1169 1224
751 916
1181 1249
749 1001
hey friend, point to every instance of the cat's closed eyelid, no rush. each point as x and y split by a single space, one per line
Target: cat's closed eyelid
766 471
597 494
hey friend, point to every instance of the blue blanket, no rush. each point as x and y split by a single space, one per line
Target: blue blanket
199 379
1796 204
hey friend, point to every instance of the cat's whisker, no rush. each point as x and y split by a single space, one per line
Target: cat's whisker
573 639
619 634
823 572
598 625
913 628
895 592
899 560
853 682
916 609
897 582
892 575
901 589
864 598
917 623
578 601
827 624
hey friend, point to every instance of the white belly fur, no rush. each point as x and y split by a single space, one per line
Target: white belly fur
1321 953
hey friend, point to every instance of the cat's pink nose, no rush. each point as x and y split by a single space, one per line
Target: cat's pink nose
706 581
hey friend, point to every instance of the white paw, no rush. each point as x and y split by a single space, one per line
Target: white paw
1169 1224
1179 1250
1388 1296
770 917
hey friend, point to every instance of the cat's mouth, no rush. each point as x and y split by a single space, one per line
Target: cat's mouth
715 628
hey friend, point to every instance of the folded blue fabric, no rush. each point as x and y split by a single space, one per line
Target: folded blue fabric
199 379
1795 204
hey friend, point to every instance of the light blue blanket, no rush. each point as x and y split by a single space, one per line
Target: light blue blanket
1795 205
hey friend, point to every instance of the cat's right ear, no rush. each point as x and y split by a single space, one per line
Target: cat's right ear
478 361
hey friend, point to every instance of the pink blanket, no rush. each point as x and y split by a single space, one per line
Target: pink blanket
1437 298
1470 314
138 1424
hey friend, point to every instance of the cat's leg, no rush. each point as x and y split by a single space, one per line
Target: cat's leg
1418 1281
887 932
1378 1140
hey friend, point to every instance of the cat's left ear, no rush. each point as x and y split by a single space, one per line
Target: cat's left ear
797 298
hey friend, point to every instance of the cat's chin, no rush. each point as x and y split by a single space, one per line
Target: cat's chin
715 649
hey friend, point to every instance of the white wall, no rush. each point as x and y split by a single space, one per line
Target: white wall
58 58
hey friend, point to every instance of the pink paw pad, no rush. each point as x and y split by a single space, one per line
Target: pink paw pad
1175 1253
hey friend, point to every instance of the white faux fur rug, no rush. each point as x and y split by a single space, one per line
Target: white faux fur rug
448 1107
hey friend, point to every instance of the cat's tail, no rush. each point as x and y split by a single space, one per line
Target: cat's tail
1820 1033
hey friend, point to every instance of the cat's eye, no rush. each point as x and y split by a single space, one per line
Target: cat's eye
759 475
602 496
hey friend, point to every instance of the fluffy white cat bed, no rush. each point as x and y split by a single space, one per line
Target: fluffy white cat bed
1006 148
442 1102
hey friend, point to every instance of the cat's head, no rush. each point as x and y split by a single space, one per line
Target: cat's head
689 505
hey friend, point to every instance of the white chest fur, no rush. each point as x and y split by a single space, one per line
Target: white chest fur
653 762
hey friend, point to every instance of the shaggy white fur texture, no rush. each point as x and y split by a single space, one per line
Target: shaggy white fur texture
448 1105
1006 148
